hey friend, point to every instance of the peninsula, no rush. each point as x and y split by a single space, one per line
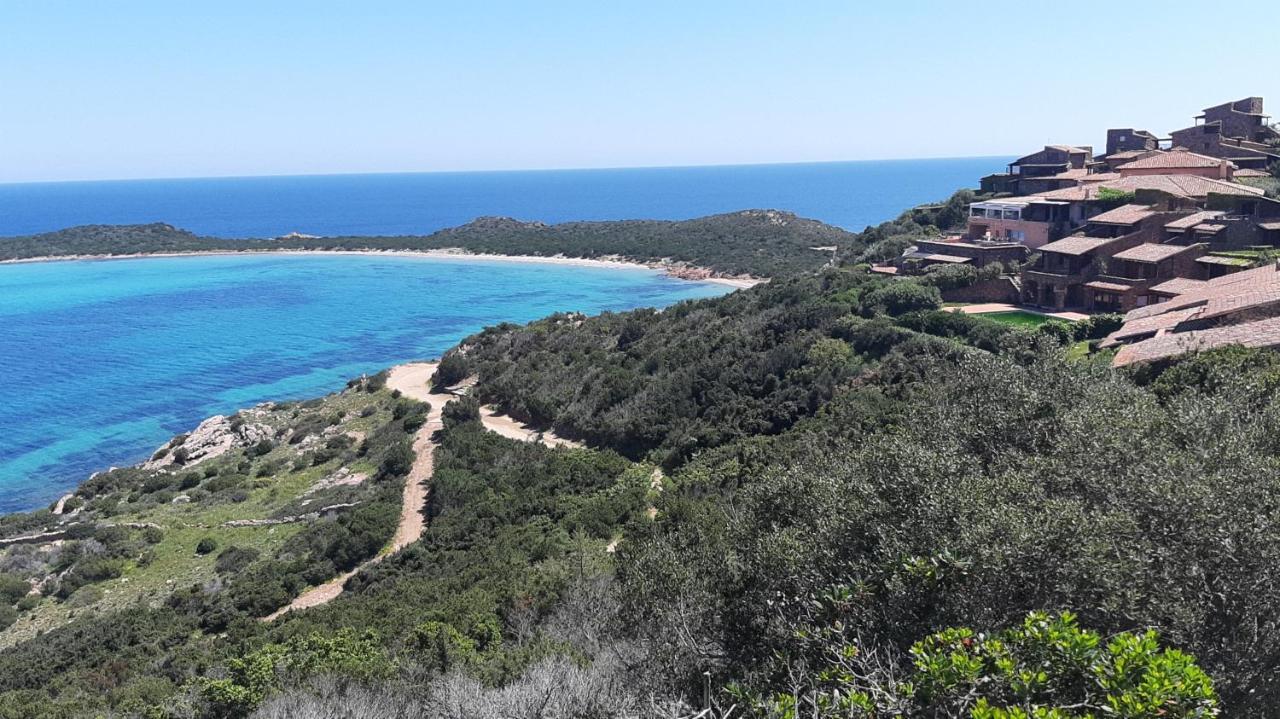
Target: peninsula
735 246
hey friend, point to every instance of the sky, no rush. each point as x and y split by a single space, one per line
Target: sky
136 89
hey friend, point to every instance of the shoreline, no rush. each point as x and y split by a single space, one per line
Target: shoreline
692 274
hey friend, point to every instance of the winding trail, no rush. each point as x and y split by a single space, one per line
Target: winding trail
414 380
503 425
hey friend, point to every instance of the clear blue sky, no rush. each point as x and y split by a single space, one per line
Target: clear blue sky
126 88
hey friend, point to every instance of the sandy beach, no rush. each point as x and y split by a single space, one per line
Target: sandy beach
672 270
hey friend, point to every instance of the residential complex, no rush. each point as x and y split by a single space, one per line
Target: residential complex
1153 227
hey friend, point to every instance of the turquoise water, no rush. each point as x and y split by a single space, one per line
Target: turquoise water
103 361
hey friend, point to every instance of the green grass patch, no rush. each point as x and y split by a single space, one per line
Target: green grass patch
1018 318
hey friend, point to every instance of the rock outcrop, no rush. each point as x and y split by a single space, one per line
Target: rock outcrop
214 437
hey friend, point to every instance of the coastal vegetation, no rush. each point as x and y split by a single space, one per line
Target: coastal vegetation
827 495
760 243
753 242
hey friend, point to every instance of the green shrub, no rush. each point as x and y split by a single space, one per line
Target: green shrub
461 410
950 277
1061 331
899 298
235 559
206 545
1050 664
397 462
13 588
1098 326
453 368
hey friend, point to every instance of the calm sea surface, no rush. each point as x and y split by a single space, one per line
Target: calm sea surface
848 194
103 361
100 362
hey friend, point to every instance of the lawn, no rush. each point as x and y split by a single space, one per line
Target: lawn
1018 318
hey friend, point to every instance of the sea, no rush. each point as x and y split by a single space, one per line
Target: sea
102 361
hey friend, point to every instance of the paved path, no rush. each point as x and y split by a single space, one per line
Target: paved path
989 307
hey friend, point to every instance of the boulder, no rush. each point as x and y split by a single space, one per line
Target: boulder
214 437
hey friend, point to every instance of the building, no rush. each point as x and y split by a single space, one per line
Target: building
1114 160
1112 265
1057 279
1028 221
1130 140
1053 160
1239 309
1127 277
1179 162
957 250
1238 131
1242 119
1188 187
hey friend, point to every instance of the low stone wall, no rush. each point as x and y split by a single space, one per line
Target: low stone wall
1002 289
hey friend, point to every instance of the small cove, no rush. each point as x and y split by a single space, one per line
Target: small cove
104 360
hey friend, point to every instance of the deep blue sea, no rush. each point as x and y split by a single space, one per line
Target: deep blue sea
100 362
848 194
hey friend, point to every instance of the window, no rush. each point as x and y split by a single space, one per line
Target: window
1017 236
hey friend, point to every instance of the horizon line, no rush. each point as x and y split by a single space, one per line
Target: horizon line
609 168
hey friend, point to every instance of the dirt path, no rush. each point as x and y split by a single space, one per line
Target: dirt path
511 429
413 381
62 502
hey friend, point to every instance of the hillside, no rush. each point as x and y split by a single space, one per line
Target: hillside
752 242
779 481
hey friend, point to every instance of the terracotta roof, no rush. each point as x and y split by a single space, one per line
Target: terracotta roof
1108 286
1261 333
1172 160
1250 172
1219 260
1128 154
1152 325
1210 228
1076 245
1124 215
1192 220
1183 185
1230 293
1177 185
1150 252
1178 286
1072 174
1100 177
936 257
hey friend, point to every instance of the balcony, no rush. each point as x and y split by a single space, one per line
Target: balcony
1055 278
